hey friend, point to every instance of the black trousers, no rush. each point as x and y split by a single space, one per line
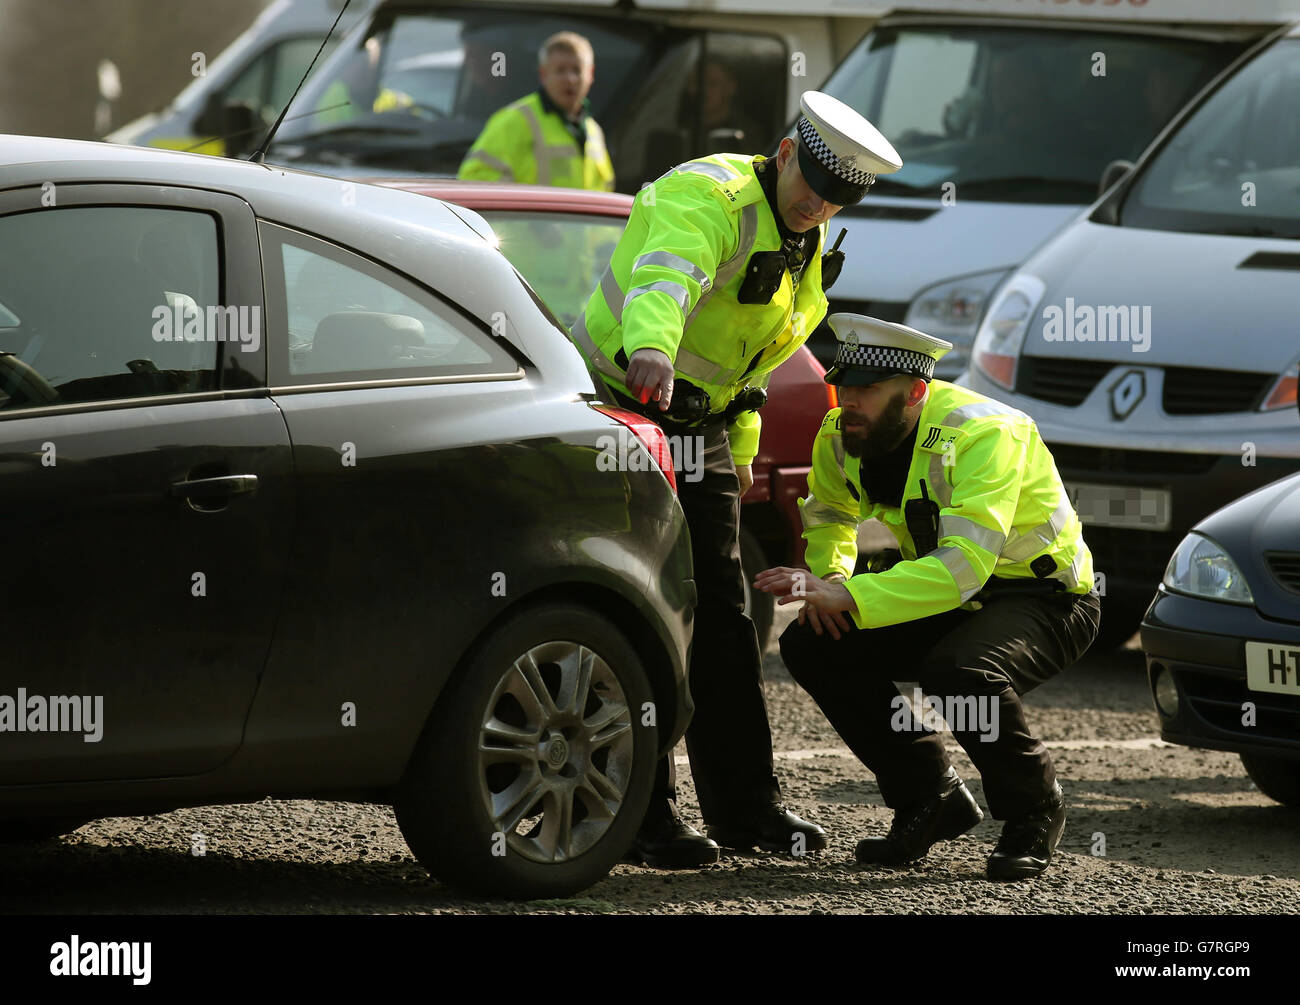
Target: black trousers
729 739
994 655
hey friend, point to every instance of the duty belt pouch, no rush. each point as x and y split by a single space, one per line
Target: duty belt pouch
922 518
762 277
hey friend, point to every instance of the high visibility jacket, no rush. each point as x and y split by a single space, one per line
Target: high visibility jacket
525 143
672 285
1002 506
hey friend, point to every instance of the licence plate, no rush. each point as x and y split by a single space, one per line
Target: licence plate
1273 666
1121 505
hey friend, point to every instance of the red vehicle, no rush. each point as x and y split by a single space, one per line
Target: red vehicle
560 240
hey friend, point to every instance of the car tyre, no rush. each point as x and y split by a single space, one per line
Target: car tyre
534 771
1276 777
760 606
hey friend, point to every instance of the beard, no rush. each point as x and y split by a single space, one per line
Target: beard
881 436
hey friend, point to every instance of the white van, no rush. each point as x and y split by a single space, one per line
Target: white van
1006 122
410 89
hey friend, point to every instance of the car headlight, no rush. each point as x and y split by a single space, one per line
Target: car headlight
1001 336
952 310
1200 568
1283 392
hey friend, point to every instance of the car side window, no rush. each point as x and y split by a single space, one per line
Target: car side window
107 302
350 318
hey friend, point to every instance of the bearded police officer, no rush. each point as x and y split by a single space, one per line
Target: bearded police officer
547 137
989 596
717 280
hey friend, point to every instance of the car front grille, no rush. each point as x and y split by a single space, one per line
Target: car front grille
1187 390
1082 462
1218 701
1060 381
1134 556
1190 391
1286 569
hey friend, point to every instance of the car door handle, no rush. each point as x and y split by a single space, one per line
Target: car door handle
215 488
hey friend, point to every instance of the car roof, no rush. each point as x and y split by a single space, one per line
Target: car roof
300 199
489 195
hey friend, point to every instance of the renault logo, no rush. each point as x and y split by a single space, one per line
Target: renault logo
1126 392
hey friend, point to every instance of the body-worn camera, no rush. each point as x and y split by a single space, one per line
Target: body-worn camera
689 403
762 277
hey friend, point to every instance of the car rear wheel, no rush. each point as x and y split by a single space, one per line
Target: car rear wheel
1276 777
759 606
534 771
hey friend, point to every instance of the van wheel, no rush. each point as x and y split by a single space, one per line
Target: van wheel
534 771
1276 777
759 606
1118 625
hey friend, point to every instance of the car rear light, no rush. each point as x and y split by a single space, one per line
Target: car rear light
650 436
832 399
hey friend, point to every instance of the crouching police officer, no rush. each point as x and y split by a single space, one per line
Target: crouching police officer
716 281
990 595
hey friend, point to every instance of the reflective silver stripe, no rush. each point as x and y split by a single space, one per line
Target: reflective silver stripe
613 293
719 172
1069 576
837 444
677 291
963 573
582 338
543 152
978 409
816 513
959 526
678 264
732 266
938 485
696 367
496 163
1022 546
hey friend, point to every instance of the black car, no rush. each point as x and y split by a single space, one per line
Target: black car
1222 638
306 495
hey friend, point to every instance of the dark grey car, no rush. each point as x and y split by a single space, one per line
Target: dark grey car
305 496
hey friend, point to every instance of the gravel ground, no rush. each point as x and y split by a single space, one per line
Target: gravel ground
1184 831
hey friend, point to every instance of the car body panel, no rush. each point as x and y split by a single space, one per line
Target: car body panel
1202 641
332 583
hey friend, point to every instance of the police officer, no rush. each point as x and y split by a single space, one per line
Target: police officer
717 280
990 595
547 138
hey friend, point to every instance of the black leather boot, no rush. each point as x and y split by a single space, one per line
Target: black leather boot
666 841
948 813
773 829
1027 842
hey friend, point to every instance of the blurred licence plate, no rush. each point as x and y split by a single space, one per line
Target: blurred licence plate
1121 505
1273 666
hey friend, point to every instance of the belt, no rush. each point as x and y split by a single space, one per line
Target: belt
1002 586
652 412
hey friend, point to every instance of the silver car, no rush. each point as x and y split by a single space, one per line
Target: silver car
1154 340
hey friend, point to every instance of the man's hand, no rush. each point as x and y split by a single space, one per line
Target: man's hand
825 603
650 377
745 473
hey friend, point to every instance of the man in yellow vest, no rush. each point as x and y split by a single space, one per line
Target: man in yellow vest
547 138
988 595
717 280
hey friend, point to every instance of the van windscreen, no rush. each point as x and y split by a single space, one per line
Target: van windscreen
1019 114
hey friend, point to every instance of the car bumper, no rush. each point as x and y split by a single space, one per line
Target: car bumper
1202 644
